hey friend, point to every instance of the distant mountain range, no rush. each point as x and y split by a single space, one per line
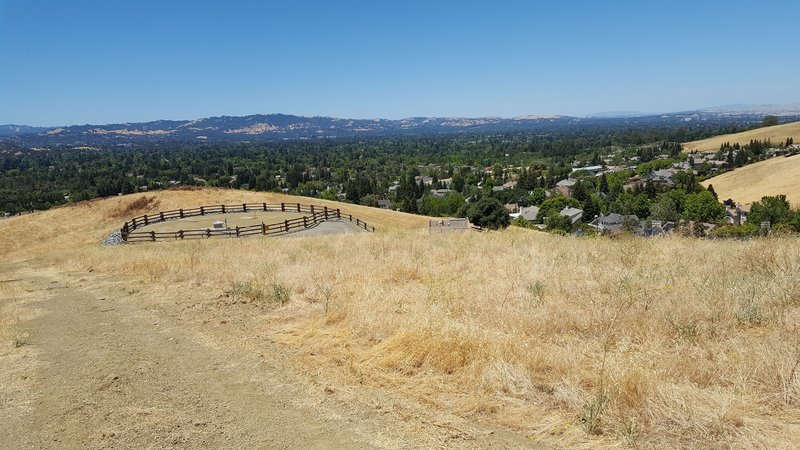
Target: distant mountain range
257 128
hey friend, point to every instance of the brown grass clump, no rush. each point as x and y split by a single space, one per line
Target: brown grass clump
667 342
135 207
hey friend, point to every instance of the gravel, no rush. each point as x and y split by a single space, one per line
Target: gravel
114 239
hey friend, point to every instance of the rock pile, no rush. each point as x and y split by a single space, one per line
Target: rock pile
114 239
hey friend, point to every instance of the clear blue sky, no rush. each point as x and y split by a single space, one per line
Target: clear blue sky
74 62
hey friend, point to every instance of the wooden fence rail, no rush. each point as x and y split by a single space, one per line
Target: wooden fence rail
317 214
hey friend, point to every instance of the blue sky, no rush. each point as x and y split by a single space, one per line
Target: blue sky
75 62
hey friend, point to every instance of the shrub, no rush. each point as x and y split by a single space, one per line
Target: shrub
487 213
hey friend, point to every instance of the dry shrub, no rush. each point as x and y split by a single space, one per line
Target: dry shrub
137 206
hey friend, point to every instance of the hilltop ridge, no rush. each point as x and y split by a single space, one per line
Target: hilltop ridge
266 127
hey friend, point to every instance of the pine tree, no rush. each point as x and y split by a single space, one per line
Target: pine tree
603 184
713 192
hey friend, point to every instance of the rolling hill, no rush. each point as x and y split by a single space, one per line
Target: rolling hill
269 127
770 177
777 134
478 340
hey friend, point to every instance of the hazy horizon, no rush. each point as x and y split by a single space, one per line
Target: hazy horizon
598 114
101 63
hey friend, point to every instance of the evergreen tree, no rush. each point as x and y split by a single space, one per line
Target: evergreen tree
603 187
713 192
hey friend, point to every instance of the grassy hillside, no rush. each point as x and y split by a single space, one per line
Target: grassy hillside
770 177
579 343
777 133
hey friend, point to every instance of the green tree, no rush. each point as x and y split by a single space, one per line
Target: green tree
773 209
769 121
603 188
665 209
559 222
593 206
487 213
368 200
329 194
703 207
441 206
710 188
626 203
553 206
538 196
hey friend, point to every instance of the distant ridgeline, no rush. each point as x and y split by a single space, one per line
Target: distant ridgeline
585 169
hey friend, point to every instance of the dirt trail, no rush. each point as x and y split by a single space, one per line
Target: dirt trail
110 375
104 370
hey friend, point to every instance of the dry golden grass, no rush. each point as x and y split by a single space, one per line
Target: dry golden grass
770 177
668 342
777 134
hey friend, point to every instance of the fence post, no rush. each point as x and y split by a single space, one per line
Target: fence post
298 207
181 211
263 228
180 233
208 232
286 225
237 230
223 208
326 213
153 236
264 205
305 222
133 222
244 207
338 213
202 211
312 210
145 220
161 216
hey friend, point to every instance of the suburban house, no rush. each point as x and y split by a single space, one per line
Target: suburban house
424 180
511 207
737 215
574 214
663 176
659 227
683 165
633 182
440 192
527 213
384 204
614 223
594 170
505 186
564 186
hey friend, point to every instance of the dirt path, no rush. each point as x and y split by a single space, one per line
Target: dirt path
103 369
329 227
109 375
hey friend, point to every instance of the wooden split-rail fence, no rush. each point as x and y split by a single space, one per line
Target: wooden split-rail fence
315 215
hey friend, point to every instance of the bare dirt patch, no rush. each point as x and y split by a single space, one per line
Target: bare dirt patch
233 220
